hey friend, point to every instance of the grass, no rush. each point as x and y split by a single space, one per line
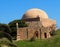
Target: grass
51 42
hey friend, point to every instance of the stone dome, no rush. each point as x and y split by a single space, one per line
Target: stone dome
33 13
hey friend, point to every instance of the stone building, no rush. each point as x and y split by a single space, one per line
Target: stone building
39 25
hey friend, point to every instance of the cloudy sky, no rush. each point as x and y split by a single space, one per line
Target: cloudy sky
14 9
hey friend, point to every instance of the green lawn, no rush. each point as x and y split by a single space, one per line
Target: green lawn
52 42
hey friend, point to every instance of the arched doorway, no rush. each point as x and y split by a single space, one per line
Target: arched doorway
36 34
45 35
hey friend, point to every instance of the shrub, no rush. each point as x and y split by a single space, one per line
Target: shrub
6 42
32 39
52 33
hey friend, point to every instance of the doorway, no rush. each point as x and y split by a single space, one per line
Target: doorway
45 35
36 34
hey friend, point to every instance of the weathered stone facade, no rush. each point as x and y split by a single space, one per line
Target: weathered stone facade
38 27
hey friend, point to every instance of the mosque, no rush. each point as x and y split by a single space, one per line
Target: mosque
39 25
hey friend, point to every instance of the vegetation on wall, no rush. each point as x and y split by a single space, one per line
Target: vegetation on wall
13 28
20 23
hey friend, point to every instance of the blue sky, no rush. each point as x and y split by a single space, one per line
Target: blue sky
14 9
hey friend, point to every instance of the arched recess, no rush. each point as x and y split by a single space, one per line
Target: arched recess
45 35
27 33
36 34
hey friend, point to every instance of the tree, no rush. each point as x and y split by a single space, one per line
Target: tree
5 35
12 25
5 28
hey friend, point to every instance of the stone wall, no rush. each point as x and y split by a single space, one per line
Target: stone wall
27 33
